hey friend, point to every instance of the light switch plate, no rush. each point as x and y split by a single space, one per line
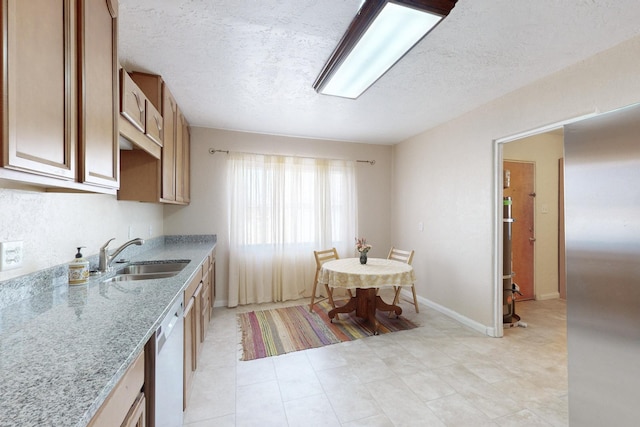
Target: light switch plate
10 255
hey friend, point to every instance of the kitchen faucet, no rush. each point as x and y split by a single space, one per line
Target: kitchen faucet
106 259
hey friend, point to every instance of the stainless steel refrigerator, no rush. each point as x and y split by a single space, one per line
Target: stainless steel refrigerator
602 214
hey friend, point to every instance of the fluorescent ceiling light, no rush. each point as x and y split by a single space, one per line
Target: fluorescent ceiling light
382 33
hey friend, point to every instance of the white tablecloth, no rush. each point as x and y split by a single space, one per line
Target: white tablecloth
348 273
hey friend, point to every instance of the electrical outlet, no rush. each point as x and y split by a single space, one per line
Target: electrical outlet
150 230
10 255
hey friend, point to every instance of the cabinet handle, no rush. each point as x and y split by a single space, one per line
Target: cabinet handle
141 109
158 123
137 100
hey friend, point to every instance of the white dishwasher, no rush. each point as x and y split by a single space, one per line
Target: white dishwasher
168 373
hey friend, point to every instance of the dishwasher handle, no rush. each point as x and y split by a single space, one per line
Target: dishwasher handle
164 331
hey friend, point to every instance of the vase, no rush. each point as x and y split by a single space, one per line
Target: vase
363 257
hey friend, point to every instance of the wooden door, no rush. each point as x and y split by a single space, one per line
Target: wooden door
522 193
39 99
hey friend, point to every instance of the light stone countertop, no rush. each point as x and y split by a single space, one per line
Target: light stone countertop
63 350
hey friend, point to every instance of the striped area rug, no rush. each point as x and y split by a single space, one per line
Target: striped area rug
283 330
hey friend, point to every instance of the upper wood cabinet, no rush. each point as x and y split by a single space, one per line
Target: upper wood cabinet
153 124
167 179
39 120
181 144
186 162
170 115
98 135
132 101
59 93
144 123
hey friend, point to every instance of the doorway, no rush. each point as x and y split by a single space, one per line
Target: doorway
544 149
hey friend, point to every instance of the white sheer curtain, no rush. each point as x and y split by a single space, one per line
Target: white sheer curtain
281 209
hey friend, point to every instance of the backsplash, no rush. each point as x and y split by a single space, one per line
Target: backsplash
51 225
29 285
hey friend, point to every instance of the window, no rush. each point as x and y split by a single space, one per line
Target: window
281 209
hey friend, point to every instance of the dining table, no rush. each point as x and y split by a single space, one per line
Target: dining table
366 280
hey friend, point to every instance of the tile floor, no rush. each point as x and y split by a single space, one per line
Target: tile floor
440 374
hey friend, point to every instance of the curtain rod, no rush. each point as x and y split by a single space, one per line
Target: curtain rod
214 151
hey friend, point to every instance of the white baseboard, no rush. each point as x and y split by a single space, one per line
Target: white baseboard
476 326
220 303
552 295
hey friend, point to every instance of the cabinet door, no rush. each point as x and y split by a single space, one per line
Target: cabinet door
98 119
186 172
39 99
183 147
125 395
189 355
137 414
169 114
153 123
212 278
205 302
179 158
197 296
132 101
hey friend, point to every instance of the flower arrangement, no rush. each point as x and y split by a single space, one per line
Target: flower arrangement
362 246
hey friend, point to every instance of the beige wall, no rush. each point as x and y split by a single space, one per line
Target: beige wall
207 212
447 177
52 225
544 151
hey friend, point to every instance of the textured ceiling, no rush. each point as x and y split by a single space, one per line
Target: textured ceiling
249 64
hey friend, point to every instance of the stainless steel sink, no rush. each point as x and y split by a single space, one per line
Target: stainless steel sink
146 276
148 271
162 267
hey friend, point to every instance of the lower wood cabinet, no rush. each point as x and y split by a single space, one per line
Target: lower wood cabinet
197 300
212 279
191 334
137 416
205 309
126 403
198 303
131 402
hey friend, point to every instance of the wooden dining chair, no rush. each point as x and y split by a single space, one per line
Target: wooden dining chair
406 257
322 257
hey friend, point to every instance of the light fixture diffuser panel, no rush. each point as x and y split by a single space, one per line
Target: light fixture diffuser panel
395 31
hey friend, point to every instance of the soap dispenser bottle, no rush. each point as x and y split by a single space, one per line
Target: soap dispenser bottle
78 269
